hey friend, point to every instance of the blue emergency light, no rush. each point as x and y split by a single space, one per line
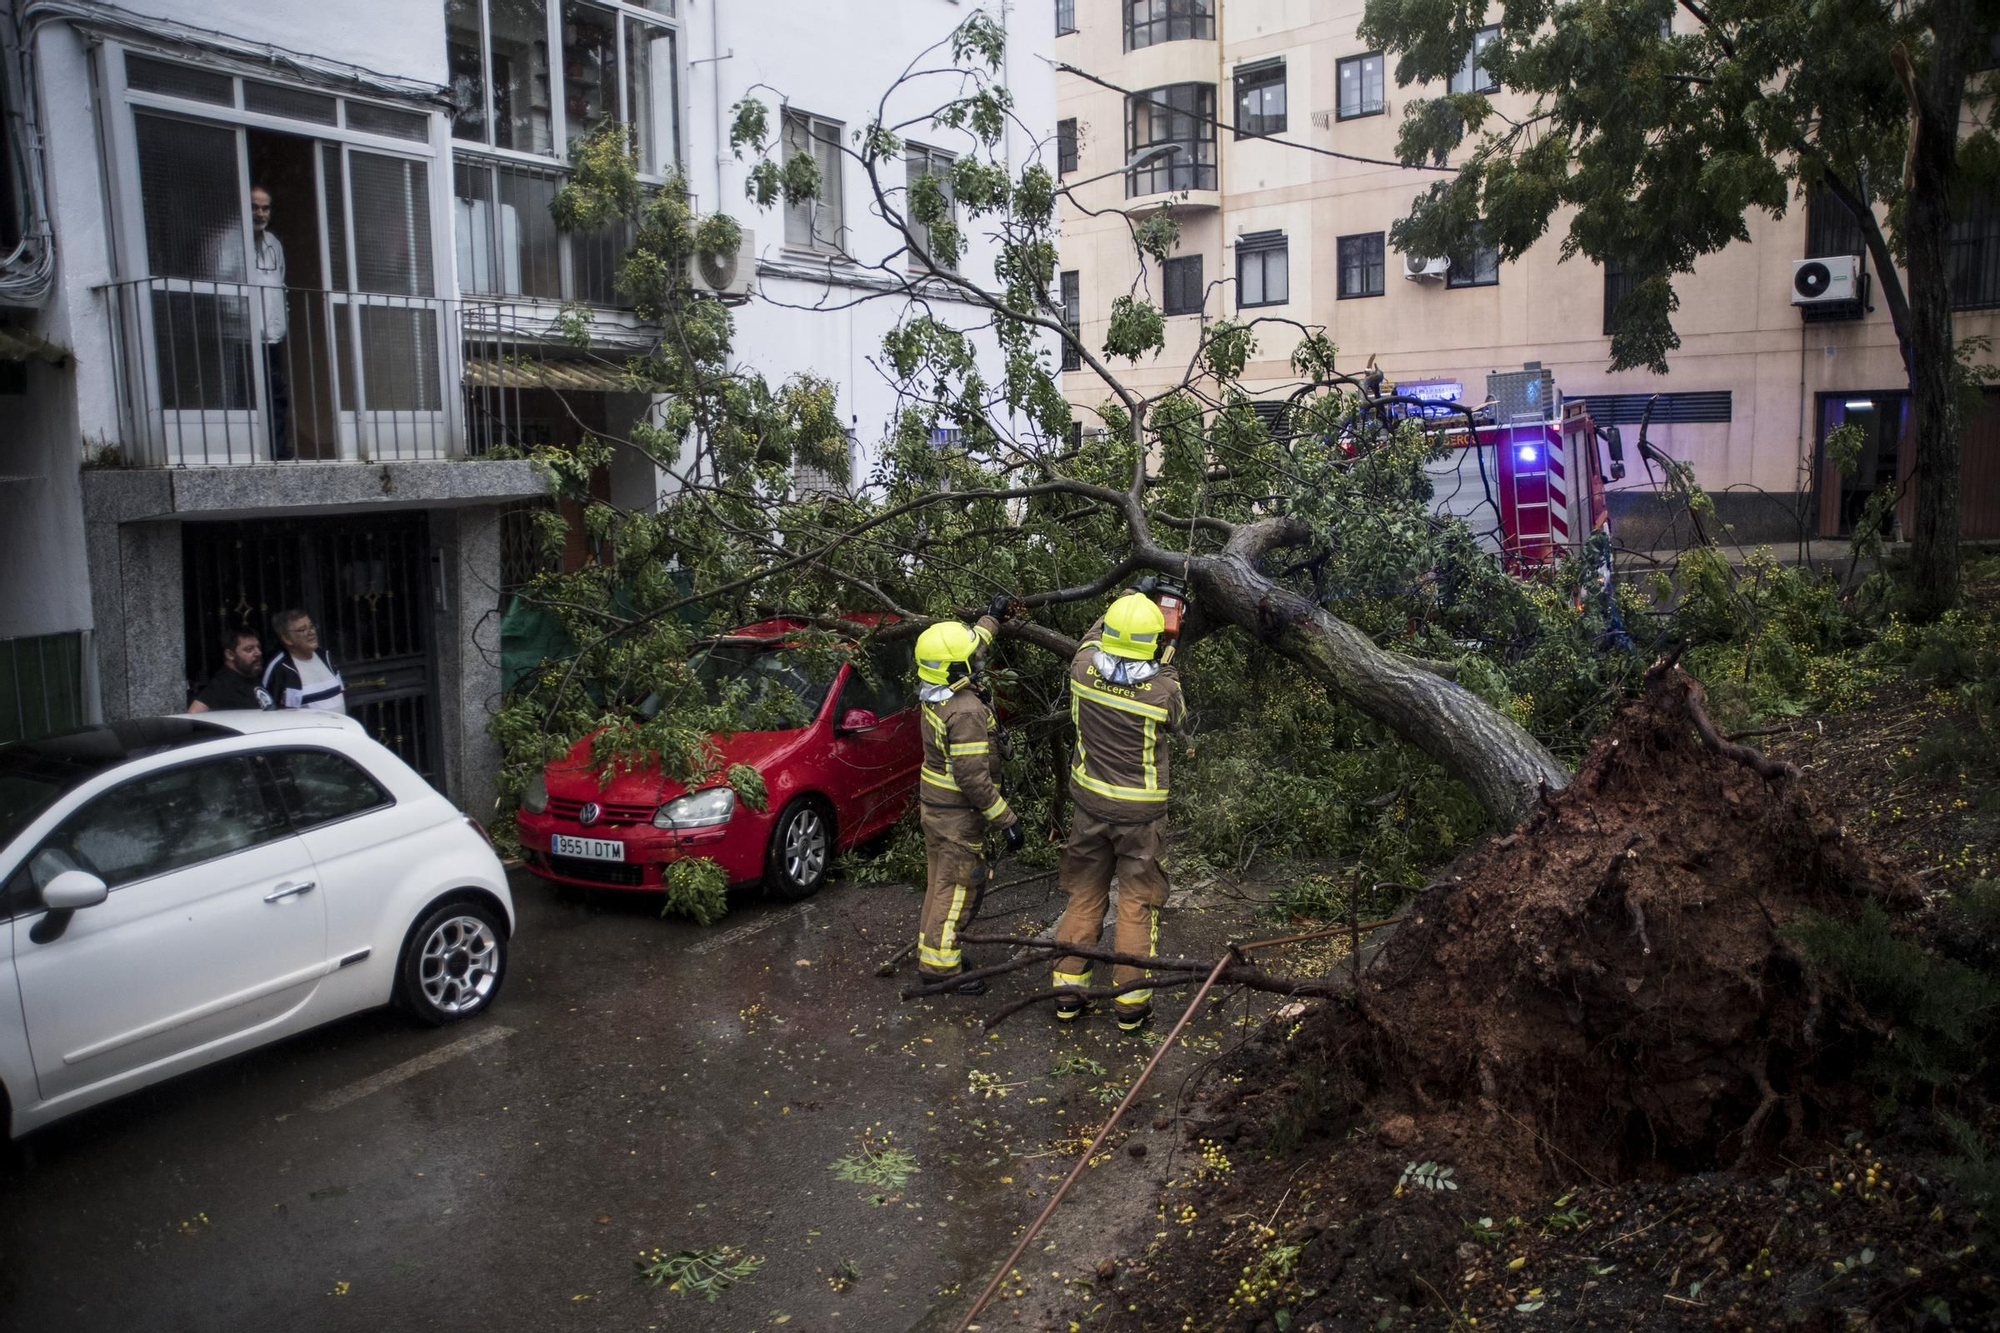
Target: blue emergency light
1526 453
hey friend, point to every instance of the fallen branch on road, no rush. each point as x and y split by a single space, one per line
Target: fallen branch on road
1164 973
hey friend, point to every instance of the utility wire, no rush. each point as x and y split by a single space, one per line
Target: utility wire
1063 68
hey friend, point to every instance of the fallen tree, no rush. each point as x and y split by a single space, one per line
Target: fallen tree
1274 528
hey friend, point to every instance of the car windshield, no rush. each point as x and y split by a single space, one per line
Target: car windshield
23 795
33 774
764 689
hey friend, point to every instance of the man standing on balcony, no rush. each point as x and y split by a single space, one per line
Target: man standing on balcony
267 271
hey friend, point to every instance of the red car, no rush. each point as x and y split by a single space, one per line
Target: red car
840 780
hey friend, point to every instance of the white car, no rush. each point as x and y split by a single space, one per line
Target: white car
180 889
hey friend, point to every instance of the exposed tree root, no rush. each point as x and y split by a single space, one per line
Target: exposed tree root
1609 988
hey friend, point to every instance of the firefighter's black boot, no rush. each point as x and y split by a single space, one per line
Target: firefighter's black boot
976 986
1133 1017
1069 1008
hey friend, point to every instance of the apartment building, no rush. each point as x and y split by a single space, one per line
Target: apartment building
282 304
1203 90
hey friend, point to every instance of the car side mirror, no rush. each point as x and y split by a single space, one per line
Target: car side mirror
64 896
855 720
73 889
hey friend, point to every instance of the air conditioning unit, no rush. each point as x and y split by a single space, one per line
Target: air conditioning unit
728 274
1826 281
1417 269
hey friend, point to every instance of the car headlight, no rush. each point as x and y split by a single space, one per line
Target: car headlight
536 798
701 809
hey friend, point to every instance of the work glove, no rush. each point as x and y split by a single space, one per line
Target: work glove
1001 607
1015 838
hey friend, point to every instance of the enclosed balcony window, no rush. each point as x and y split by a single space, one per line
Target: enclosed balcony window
1150 22
611 62
1176 125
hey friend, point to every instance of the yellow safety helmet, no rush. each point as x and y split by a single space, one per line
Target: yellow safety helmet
940 646
1132 627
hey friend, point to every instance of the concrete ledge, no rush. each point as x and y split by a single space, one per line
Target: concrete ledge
125 495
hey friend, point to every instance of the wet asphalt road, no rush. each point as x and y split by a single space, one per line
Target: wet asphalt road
639 1083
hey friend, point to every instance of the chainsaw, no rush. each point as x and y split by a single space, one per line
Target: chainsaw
1171 594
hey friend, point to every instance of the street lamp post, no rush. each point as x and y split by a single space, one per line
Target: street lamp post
1137 160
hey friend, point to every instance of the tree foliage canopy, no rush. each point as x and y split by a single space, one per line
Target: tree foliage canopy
1656 146
1390 654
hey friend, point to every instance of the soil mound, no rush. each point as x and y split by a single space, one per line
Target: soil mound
1609 989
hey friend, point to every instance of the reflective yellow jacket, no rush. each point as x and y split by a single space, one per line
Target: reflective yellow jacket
1119 770
958 748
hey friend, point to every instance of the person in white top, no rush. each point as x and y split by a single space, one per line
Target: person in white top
302 676
266 270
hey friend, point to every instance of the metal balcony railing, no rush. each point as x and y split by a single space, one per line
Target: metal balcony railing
214 374
228 374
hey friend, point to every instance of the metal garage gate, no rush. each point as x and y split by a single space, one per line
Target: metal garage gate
365 582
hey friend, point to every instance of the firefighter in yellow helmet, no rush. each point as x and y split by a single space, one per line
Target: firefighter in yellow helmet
959 800
1124 699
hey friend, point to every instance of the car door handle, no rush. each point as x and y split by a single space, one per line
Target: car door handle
288 891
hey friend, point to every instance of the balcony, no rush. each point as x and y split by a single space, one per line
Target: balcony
508 245
234 375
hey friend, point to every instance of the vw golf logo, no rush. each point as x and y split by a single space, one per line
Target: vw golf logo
589 814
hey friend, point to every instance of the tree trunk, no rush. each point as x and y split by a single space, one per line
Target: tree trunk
1503 766
1938 91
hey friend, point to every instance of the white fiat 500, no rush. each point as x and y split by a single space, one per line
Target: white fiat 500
176 890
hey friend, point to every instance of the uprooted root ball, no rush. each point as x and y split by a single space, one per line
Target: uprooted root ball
1610 990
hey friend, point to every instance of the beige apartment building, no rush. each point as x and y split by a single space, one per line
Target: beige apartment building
1271 229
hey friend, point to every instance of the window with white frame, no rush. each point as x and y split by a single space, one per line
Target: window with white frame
290 303
1263 269
614 61
815 224
1471 77
919 162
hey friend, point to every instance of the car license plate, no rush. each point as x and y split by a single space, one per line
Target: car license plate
590 849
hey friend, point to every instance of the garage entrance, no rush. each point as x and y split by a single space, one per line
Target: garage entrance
366 582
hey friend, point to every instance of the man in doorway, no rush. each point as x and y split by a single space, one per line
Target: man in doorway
234 684
267 310
302 676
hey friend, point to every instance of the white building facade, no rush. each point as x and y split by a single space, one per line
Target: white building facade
283 313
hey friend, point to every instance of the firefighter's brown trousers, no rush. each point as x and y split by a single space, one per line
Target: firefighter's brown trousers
954 844
1096 851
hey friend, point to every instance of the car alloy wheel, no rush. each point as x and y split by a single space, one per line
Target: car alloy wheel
801 851
454 963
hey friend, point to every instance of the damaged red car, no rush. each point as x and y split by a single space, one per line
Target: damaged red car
839 780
